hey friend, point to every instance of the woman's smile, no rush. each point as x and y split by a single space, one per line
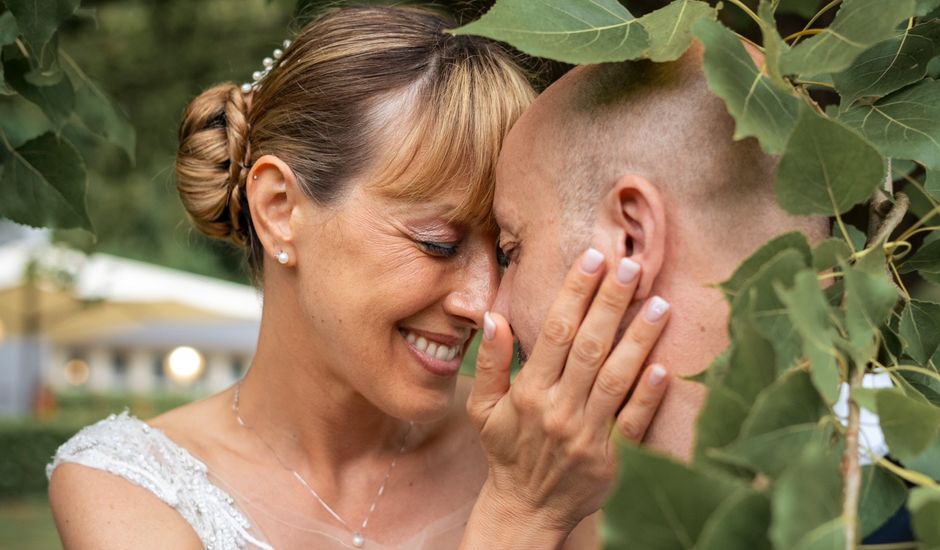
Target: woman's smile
439 354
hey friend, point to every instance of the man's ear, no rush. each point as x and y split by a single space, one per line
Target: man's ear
273 195
633 218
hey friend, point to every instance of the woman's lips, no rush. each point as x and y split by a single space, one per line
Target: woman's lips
435 356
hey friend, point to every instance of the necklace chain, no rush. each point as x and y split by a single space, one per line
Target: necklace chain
358 540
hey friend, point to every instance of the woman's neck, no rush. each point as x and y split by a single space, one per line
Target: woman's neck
309 415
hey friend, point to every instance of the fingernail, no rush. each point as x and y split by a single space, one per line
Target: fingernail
656 309
657 375
489 327
591 260
627 270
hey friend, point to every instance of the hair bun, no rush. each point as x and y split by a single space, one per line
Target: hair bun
213 160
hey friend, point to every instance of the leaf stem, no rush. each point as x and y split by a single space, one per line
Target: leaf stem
750 13
916 478
804 32
821 12
814 83
912 368
851 469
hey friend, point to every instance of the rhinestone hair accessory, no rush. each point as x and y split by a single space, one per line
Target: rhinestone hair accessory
268 63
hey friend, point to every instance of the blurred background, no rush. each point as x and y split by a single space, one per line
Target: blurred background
145 314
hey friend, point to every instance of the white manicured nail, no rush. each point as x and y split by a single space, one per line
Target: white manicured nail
656 308
591 260
627 270
657 375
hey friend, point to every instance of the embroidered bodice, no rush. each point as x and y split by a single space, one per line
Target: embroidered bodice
130 448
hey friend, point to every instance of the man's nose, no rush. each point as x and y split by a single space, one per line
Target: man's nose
501 303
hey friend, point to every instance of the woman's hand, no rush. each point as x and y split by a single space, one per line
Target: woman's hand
550 436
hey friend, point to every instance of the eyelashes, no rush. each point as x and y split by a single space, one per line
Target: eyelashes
442 250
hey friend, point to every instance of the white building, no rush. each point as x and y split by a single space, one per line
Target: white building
104 324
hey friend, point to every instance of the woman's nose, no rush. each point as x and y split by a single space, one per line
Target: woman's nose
475 291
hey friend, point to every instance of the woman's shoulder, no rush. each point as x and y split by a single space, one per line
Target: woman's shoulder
128 468
110 476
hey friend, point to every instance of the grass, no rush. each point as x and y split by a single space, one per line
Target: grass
26 523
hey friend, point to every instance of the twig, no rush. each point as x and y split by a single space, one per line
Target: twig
851 470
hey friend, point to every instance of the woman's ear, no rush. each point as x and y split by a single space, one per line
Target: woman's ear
273 196
633 219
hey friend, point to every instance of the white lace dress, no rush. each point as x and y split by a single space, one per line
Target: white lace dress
128 447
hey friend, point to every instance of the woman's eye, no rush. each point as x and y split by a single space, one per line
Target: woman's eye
439 249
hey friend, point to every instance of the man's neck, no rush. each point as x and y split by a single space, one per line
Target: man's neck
695 335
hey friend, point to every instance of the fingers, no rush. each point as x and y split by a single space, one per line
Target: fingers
597 332
625 362
494 358
564 317
638 413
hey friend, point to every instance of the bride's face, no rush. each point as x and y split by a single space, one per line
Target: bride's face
392 292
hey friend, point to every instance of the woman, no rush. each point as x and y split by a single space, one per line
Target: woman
358 174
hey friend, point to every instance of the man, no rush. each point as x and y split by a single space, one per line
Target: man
638 159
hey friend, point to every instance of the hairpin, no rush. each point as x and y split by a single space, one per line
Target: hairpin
268 63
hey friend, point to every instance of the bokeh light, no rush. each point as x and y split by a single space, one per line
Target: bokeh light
76 372
184 364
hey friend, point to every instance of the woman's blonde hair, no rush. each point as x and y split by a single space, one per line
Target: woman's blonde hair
320 111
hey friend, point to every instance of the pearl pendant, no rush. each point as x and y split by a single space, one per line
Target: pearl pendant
357 540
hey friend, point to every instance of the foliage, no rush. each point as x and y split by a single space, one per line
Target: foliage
844 102
29 444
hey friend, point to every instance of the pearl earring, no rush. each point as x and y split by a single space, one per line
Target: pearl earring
282 257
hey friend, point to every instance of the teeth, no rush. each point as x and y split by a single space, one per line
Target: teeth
432 349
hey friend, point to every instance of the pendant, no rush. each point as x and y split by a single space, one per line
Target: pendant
358 540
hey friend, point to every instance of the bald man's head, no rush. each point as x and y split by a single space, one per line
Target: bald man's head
661 121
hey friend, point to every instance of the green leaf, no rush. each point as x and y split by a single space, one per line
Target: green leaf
659 503
890 65
43 184
927 387
905 124
807 502
927 462
8 29
926 6
574 32
38 21
718 425
774 46
883 493
55 101
759 108
741 521
829 253
924 504
8 32
920 329
932 185
851 33
21 120
782 422
751 266
926 260
810 314
98 112
670 28
910 426
759 301
826 168
869 298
